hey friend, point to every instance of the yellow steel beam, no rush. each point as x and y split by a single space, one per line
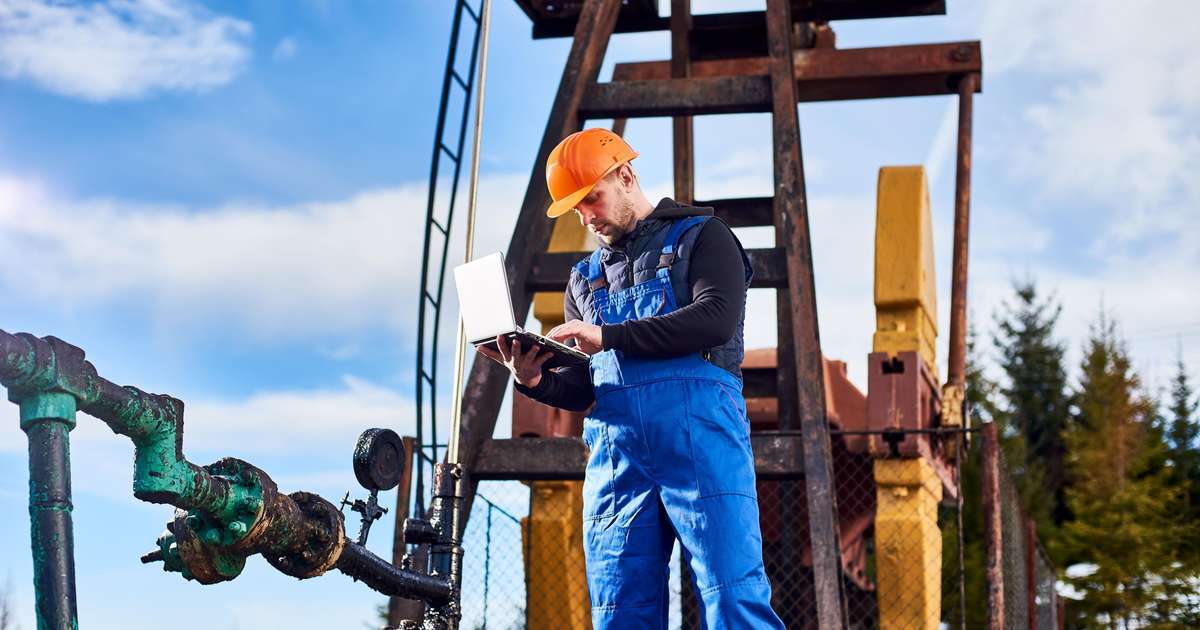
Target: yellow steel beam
905 286
556 583
908 544
552 537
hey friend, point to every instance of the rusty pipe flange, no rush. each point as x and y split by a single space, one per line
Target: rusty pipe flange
206 563
255 481
245 517
326 538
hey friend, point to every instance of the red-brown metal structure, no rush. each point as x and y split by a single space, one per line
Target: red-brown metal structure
764 61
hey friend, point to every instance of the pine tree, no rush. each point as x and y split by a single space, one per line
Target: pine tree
1036 409
1181 429
1125 523
981 404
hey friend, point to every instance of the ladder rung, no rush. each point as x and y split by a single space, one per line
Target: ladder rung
466 7
677 97
550 271
454 75
743 212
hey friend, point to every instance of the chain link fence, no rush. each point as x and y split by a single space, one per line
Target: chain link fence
1021 579
910 558
494 585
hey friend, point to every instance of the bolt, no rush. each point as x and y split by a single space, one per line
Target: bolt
237 528
212 536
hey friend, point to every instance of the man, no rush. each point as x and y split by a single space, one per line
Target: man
660 307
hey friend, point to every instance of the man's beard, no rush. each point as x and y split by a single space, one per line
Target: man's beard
622 224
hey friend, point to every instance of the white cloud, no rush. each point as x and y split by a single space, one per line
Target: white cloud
120 49
295 421
272 272
300 420
285 49
1118 126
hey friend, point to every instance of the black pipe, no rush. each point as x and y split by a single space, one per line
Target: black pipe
50 521
446 555
359 563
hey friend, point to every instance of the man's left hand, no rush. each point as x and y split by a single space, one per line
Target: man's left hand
587 336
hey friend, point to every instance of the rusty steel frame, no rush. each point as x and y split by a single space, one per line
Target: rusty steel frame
681 126
777 455
745 25
831 74
992 525
689 84
488 380
799 335
399 608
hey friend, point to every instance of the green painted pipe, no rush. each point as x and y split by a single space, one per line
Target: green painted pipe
49 379
30 366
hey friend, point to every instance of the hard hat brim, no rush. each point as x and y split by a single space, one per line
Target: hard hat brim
568 203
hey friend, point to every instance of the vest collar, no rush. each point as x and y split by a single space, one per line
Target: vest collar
666 210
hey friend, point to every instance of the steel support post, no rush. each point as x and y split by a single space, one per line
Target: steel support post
681 25
799 345
992 523
47 419
956 370
488 380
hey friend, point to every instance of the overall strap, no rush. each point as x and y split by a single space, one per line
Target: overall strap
591 269
670 250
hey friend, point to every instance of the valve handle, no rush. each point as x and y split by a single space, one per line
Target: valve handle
378 458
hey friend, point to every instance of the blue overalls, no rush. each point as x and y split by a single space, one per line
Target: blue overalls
670 456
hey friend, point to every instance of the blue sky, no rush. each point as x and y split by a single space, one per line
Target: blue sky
224 201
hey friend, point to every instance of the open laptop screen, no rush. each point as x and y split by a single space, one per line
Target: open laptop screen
483 298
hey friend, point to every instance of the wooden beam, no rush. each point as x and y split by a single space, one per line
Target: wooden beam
676 97
551 270
488 380
829 74
776 456
799 337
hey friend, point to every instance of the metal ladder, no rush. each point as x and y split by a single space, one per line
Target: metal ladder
437 243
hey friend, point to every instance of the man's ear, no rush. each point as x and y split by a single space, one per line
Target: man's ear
626 177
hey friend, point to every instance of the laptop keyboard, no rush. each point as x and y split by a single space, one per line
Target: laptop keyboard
563 347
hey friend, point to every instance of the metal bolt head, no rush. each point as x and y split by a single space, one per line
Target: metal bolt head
237 528
212 536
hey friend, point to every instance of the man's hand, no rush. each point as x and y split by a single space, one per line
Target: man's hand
587 336
526 368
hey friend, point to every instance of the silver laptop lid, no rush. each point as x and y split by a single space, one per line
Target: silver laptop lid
483 298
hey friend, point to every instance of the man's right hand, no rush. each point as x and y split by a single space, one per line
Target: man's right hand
526 368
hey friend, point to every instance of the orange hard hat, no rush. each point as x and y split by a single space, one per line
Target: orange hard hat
580 161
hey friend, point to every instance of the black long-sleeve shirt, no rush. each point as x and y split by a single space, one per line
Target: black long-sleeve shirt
716 280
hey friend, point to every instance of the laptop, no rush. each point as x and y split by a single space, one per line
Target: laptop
487 312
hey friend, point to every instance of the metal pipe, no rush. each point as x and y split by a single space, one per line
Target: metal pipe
956 370
472 202
47 420
384 577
